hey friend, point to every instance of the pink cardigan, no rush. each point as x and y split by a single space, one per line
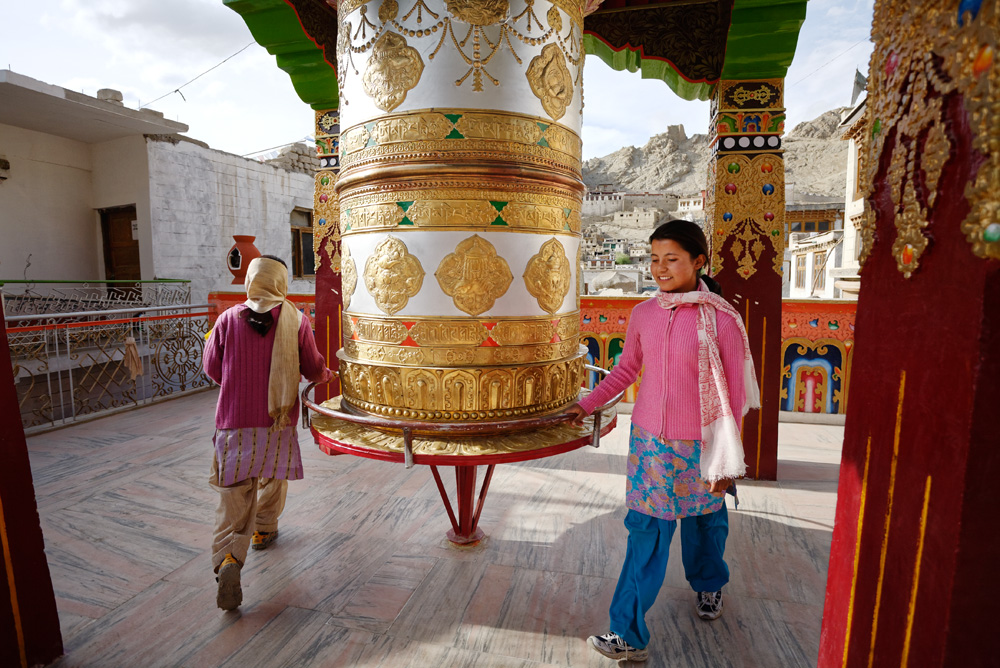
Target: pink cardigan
667 404
239 359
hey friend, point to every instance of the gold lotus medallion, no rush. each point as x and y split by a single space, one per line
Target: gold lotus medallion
551 81
474 276
393 69
548 275
348 274
392 275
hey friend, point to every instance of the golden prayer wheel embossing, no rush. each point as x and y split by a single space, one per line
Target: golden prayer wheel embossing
459 200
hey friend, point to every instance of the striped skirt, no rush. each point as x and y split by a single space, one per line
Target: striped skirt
252 453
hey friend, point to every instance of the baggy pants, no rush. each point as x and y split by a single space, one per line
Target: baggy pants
703 542
249 505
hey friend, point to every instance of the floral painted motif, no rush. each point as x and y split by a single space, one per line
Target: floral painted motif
664 478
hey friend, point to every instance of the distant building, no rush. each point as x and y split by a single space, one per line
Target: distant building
846 277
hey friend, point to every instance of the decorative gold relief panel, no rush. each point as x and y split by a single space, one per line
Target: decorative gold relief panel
925 54
392 275
451 213
393 69
461 394
749 207
349 275
547 276
551 81
474 276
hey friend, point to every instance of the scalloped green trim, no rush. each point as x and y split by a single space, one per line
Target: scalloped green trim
275 26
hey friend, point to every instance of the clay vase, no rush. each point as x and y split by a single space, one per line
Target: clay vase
238 259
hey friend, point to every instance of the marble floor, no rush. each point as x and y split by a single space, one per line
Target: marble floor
362 575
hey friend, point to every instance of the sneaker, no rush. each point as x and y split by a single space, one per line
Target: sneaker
612 646
709 605
230 593
261 539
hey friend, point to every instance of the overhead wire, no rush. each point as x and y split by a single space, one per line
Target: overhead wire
830 61
178 89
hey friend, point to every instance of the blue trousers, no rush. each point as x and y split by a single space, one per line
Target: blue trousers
703 542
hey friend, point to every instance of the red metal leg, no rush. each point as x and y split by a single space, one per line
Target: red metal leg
465 529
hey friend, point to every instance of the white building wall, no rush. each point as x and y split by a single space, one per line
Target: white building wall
46 208
121 178
200 198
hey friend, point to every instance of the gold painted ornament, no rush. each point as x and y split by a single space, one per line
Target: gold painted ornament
479 12
349 274
393 275
547 276
393 69
551 81
474 276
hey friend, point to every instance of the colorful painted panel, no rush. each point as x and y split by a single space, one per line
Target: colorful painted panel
817 346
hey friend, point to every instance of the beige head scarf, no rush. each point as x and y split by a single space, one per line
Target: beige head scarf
267 286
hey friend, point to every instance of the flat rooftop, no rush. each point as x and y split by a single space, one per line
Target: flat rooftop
361 574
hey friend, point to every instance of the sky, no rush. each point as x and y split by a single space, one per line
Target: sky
246 105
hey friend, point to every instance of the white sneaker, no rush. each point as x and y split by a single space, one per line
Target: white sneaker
614 647
709 605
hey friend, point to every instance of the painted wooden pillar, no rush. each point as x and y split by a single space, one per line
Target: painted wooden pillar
746 211
913 574
29 623
326 244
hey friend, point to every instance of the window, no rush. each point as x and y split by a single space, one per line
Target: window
819 270
800 271
810 226
303 258
824 226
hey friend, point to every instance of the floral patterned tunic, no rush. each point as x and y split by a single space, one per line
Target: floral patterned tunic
664 478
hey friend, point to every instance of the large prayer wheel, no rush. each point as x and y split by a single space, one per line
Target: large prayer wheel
459 202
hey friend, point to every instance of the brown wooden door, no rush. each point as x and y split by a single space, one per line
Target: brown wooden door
121 250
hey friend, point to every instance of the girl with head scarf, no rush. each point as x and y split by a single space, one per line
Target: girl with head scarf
256 352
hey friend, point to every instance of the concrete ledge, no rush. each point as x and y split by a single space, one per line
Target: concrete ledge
811 418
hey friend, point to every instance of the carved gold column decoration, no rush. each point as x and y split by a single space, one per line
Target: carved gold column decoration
461 169
917 76
751 201
746 204
474 276
326 216
548 276
393 275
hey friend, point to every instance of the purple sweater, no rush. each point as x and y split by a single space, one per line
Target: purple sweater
239 359
668 404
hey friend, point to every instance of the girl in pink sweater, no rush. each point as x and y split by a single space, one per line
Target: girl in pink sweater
257 352
684 448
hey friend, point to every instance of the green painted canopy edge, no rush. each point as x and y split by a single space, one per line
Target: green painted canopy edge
762 39
651 68
761 43
276 27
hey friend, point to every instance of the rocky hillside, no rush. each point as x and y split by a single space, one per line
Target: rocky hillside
815 161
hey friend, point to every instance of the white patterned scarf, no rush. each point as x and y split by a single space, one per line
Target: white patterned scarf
722 448
267 286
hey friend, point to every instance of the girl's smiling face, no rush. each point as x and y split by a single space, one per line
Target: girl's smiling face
673 268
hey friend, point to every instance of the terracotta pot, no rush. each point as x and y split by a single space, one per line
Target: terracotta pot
238 259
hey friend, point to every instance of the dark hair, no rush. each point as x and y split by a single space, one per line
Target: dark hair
261 322
692 239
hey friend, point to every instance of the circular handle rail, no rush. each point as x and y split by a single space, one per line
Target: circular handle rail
453 429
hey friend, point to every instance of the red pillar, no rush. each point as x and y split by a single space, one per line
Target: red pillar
745 208
29 623
913 573
326 241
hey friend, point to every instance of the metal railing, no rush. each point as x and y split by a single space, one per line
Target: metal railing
24 297
79 365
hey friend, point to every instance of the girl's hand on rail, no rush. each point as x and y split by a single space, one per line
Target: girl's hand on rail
578 413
